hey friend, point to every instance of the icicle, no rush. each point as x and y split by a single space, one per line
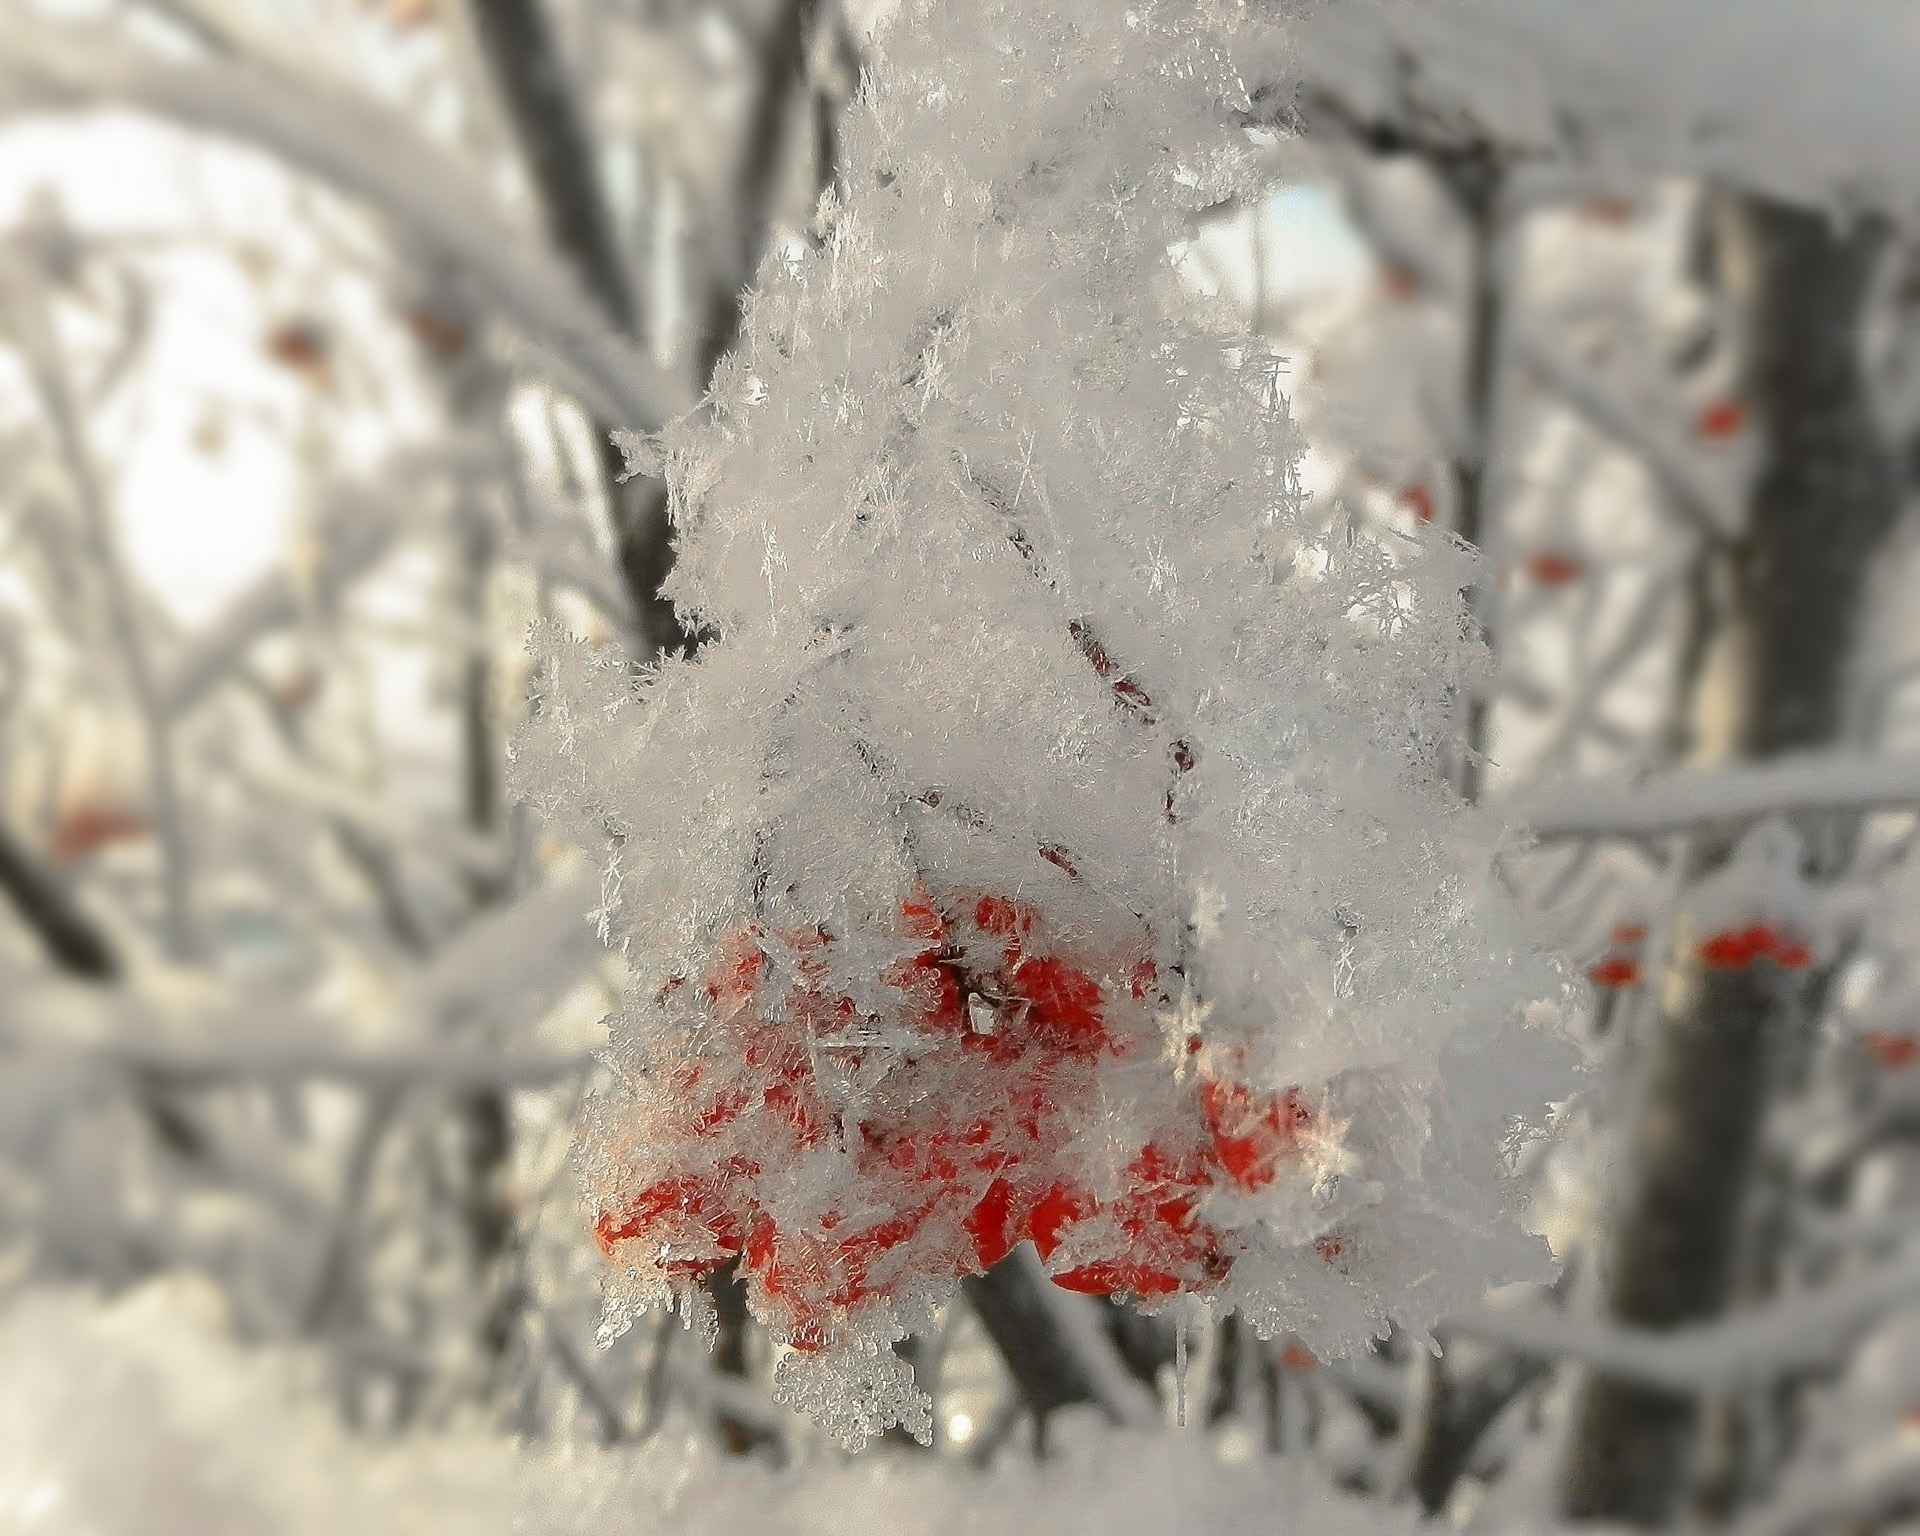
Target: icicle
1180 1369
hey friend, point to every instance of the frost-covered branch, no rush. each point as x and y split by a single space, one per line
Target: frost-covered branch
1858 1495
357 528
371 154
500 976
243 1058
1673 467
1724 797
33 327
1745 99
475 853
1809 1331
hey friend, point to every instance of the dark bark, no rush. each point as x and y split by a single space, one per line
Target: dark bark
1229 1369
729 1293
72 940
486 1209
1017 1318
1474 182
543 105
737 248
1144 1344
1824 504
1460 1407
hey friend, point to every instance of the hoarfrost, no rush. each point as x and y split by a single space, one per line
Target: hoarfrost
1061 730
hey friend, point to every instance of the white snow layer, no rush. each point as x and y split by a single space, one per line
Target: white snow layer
141 1418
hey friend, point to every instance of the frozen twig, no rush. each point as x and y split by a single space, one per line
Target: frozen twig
1850 1497
1696 797
475 853
1744 1350
71 937
1672 466
352 540
371 154
46 366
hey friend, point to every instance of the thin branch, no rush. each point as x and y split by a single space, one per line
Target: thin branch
240 1059
1701 797
1675 469
46 366
356 533
474 853
1851 1498
1745 1350
593 1391
70 937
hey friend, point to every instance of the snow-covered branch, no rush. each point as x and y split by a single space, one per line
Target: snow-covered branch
495 981
1746 99
1673 467
1850 1497
1695 797
474 852
1746 1349
371 154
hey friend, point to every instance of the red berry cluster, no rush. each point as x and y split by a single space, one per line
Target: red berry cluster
1736 949
1891 1048
963 1150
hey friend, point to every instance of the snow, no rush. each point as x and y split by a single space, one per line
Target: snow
142 1417
1808 104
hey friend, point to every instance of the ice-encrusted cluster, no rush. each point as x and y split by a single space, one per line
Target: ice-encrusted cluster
1050 841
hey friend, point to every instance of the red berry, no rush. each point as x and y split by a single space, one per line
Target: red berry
1615 971
1551 568
991 1225
1720 420
697 1202
1059 1208
1065 1004
921 918
1005 919
1890 1049
1252 1133
735 974
1060 859
1398 282
1734 950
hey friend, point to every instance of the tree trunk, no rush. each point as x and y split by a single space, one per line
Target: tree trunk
1823 505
